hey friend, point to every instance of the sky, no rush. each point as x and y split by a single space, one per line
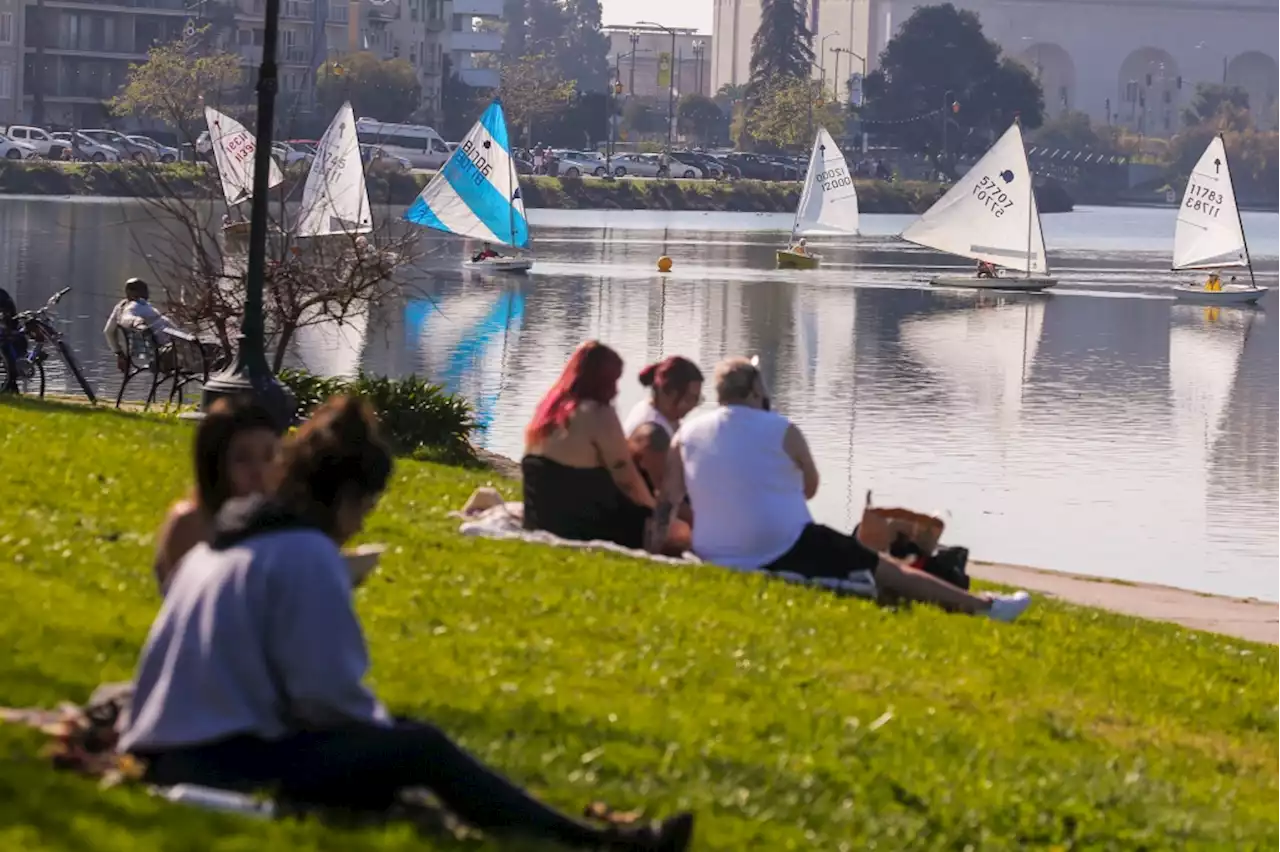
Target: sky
672 13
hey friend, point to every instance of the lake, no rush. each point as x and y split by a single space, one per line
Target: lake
1100 429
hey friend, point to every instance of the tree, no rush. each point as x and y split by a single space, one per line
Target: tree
782 46
328 280
546 28
514 35
700 118
461 104
786 113
938 59
585 55
639 117
533 91
174 85
1209 99
386 89
1074 131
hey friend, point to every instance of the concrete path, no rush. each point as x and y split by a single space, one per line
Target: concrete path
1244 618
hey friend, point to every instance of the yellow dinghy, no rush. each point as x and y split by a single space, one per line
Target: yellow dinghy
788 259
828 202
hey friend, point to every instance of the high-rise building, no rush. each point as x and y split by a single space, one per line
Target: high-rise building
11 20
640 56
413 30
474 41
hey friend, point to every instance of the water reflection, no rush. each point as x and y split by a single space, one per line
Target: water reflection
1126 437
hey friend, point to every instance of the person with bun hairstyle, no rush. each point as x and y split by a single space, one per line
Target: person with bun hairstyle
580 481
675 385
252 677
235 446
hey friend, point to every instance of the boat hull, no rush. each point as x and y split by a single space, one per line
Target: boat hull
793 260
1225 296
1032 284
503 264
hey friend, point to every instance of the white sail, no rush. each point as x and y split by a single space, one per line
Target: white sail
1208 233
990 214
233 148
829 201
335 199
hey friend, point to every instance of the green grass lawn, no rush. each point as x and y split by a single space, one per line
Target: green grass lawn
786 718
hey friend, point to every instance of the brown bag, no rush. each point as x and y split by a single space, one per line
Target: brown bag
880 527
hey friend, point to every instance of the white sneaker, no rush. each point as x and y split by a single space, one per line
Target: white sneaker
1008 607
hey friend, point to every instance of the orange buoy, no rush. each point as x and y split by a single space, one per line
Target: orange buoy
664 264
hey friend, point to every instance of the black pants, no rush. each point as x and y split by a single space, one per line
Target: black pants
822 552
364 767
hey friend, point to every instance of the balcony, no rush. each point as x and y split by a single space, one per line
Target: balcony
475 42
478 8
104 52
481 78
150 7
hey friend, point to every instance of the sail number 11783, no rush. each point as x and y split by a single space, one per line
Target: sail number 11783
992 196
1204 200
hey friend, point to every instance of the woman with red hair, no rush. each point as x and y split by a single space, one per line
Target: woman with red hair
675 389
579 478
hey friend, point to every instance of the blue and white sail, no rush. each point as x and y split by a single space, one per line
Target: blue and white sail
477 193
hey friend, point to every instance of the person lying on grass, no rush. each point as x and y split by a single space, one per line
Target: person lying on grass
579 479
748 472
252 676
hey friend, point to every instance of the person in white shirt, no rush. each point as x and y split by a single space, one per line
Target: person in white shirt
749 474
675 389
134 312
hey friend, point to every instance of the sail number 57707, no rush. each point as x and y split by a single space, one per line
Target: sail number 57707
992 196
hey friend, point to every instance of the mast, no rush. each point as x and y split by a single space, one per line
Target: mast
804 192
1031 191
515 182
1239 217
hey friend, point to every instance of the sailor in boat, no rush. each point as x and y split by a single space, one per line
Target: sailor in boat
1214 283
799 247
986 269
484 254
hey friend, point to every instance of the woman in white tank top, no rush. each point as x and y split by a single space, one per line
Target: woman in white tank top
675 389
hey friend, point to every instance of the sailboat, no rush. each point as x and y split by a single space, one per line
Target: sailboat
828 202
477 194
335 199
233 151
990 215
1210 233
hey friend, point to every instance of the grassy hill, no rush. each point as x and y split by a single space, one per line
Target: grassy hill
785 717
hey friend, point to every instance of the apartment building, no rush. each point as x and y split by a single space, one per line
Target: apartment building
11 20
474 41
414 30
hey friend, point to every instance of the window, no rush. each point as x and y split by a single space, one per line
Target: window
338 11
6 81
6 28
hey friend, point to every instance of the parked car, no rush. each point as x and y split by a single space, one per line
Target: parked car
12 149
132 150
159 153
86 148
204 144
286 155
577 163
306 146
523 166
371 154
759 167
36 137
637 165
683 165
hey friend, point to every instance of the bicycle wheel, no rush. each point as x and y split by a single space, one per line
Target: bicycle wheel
70 360
34 382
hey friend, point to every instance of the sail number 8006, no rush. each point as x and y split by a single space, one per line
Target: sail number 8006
992 196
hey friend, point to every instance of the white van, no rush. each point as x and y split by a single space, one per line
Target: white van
420 145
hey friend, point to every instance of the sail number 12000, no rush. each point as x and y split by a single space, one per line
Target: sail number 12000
992 196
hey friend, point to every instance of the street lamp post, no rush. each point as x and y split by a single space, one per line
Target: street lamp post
634 37
699 47
839 50
249 373
822 63
671 80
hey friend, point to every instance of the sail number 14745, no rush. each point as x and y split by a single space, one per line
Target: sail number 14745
992 196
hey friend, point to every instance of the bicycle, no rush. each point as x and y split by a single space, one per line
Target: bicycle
20 371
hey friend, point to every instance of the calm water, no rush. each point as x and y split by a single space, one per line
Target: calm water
1101 429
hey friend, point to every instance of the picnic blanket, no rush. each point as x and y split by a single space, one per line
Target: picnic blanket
487 515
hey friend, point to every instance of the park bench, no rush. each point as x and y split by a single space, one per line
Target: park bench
171 355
